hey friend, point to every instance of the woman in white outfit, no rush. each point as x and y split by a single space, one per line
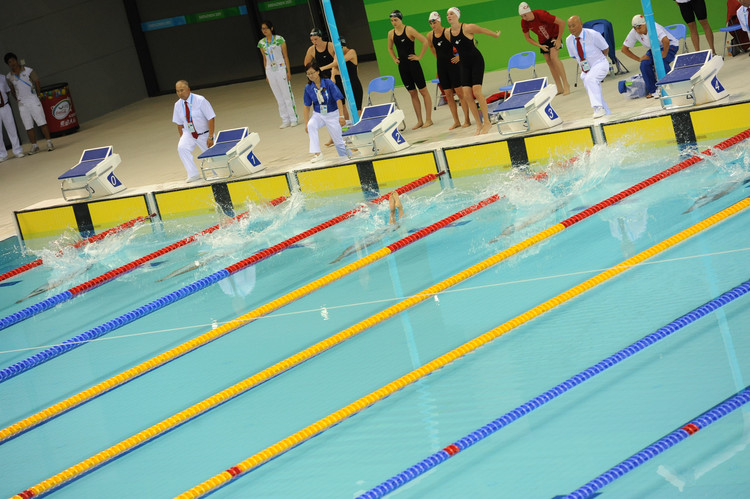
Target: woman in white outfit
278 73
323 100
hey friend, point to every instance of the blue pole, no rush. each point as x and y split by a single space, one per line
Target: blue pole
661 72
331 20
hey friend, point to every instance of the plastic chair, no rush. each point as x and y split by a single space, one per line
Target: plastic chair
384 85
679 31
604 28
726 30
521 60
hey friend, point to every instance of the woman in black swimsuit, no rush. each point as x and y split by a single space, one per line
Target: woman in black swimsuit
408 65
472 64
350 57
322 52
448 70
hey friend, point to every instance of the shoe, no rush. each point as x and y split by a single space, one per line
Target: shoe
3 159
348 123
50 146
294 123
316 158
34 149
284 125
20 155
192 179
599 112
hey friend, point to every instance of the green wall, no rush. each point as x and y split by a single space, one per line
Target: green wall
503 15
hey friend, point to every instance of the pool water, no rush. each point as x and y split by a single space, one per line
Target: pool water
549 452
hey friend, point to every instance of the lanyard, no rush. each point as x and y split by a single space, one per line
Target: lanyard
18 77
269 51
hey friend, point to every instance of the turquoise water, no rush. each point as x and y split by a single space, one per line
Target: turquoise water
552 451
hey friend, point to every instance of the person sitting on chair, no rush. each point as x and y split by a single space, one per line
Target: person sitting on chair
669 47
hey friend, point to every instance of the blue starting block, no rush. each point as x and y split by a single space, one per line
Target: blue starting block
377 130
93 176
231 155
528 108
693 80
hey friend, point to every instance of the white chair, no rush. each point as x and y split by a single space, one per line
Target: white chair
528 108
377 130
231 155
93 176
693 80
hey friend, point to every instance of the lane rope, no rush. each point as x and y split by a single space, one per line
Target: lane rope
53 301
359 405
153 363
522 410
709 417
77 244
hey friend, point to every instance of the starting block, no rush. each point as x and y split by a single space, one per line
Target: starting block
693 78
528 108
377 130
231 156
93 176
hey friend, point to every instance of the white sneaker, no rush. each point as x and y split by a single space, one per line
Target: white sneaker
316 158
50 146
20 155
599 112
3 159
284 125
34 149
294 123
192 179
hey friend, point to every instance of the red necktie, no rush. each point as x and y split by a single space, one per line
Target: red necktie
580 47
189 120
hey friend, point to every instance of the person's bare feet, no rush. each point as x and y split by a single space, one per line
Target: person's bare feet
466 125
427 123
486 128
455 125
479 129
418 125
566 91
329 143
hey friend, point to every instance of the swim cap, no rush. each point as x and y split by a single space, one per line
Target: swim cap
638 20
455 11
397 13
434 16
316 32
523 8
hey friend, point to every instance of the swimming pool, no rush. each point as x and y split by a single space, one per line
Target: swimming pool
551 451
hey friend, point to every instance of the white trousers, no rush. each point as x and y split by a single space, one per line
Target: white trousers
185 148
593 83
6 119
282 90
331 122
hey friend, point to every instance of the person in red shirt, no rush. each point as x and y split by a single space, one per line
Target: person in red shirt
549 30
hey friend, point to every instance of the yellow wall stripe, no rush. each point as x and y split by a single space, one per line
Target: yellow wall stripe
330 181
556 145
47 222
473 159
649 132
440 362
185 202
111 212
393 171
720 121
257 190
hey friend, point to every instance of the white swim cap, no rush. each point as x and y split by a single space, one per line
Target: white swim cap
523 8
638 20
455 11
434 16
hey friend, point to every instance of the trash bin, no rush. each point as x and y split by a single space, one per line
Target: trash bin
59 110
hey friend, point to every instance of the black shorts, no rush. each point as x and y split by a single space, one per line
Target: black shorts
472 71
550 44
411 74
339 83
694 9
449 74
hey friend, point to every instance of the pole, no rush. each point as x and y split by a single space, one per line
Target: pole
648 13
331 20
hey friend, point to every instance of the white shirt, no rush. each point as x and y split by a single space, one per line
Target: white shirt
25 88
4 88
200 112
646 41
742 18
272 50
593 44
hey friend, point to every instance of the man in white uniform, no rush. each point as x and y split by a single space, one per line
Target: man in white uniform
27 89
590 49
669 47
194 117
6 119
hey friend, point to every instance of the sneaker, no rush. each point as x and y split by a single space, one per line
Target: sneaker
3 159
192 179
284 125
599 112
294 123
34 149
316 158
20 155
50 146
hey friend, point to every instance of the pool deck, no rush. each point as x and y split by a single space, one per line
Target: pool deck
143 135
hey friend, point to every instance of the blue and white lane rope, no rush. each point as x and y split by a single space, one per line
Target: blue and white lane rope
711 416
443 455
